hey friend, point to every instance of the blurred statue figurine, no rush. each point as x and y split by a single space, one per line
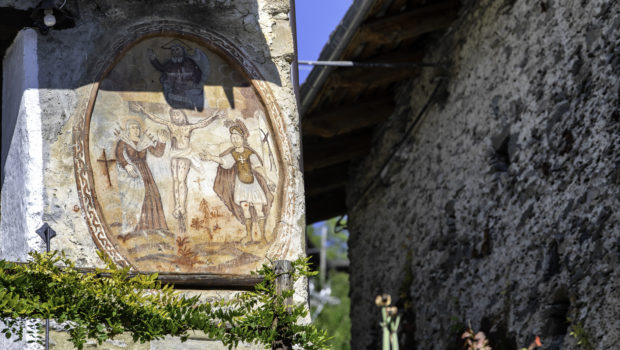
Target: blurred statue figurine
182 76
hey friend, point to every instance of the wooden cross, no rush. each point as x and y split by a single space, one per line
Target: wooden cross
106 162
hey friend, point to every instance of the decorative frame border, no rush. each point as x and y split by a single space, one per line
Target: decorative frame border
230 53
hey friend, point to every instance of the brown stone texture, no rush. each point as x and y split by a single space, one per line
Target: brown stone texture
500 207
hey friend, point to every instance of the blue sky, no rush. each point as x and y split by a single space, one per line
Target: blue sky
316 19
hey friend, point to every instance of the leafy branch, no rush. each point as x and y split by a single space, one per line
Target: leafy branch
93 306
578 332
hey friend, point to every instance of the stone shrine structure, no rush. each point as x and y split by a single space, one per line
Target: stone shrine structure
164 134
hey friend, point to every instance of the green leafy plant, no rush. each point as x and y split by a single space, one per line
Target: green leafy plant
108 302
333 317
578 332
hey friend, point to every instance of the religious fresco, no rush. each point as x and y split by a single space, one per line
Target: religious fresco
186 168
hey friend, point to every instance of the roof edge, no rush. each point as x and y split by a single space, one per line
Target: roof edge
338 41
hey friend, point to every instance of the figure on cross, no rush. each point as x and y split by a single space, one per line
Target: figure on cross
181 155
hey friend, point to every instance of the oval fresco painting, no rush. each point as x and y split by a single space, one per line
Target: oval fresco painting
185 167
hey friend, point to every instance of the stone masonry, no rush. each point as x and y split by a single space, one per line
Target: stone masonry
498 204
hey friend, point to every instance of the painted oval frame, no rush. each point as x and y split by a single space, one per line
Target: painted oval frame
236 58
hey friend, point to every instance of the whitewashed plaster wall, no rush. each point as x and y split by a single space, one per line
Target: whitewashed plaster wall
22 191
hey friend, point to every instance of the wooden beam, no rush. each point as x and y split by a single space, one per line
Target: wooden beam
413 54
13 18
8 37
410 24
326 179
397 6
331 122
201 281
333 186
371 77
321 152
326 206
210 281
10 28
333 87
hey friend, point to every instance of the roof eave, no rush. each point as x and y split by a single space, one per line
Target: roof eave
333 49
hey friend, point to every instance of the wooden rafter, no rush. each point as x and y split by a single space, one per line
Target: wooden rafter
326 179
348 85
410 24
320 152
371 77
344 119
337 125
397 6
326 205
363 78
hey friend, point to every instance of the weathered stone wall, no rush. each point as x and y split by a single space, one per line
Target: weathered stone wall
69 61
500 206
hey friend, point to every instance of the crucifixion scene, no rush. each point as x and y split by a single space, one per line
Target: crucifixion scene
184 163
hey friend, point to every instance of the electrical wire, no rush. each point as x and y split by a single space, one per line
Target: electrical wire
352 64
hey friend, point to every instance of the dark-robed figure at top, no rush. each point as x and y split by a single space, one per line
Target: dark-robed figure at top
182 77
241 182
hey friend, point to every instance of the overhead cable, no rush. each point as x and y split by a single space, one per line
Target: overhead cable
352 64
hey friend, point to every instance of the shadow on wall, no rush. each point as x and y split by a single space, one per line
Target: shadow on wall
13 20
76 55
